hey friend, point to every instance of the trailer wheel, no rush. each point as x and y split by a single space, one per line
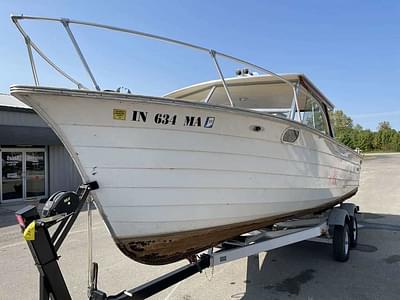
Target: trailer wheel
353 231
341 242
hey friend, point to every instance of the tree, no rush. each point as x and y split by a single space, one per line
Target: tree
354 136
346 136
365 140
340 120
386 138
384 125
343 126
396 142
358 127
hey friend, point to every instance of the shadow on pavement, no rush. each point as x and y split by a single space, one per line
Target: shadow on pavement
306 270
7 211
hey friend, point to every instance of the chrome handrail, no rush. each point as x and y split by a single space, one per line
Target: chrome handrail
66 22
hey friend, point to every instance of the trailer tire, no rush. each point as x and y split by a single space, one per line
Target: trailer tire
353 231
341 242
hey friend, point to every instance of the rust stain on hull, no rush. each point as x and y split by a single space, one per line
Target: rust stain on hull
169 248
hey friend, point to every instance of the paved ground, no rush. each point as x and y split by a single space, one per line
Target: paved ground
301 271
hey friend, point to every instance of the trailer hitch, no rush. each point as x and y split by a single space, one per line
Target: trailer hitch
44 246
154 286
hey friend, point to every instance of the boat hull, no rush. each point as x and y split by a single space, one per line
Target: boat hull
177 177
156 250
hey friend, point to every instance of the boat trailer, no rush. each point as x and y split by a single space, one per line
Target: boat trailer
62 209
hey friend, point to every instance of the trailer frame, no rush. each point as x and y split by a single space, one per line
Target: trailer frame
333 223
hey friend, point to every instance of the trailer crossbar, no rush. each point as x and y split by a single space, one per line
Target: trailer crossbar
224 256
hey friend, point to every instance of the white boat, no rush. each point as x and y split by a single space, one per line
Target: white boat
181 173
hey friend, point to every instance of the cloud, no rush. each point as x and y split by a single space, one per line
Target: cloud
377 114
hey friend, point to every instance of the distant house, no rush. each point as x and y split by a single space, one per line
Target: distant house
34 162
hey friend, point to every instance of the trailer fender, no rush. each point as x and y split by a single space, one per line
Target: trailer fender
351 208
338 216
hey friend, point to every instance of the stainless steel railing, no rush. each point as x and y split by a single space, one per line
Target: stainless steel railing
66 24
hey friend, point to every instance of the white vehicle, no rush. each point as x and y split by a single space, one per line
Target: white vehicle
181 173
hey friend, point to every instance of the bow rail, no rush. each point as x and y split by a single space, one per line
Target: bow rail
66 24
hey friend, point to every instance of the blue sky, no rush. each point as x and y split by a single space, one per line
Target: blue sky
349 49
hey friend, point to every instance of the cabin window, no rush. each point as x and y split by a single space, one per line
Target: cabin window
313 115
273 98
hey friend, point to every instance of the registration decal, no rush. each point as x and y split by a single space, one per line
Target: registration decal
166 119
119 114
209 122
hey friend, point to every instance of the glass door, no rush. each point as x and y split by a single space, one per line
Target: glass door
12 175
23 174
35 174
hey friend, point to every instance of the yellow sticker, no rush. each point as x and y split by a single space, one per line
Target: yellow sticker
29 232
119 114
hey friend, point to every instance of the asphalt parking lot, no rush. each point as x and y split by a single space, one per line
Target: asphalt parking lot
301 271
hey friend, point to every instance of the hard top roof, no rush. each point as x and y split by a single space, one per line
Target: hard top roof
253 79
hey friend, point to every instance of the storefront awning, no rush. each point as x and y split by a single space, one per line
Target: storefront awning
25 135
